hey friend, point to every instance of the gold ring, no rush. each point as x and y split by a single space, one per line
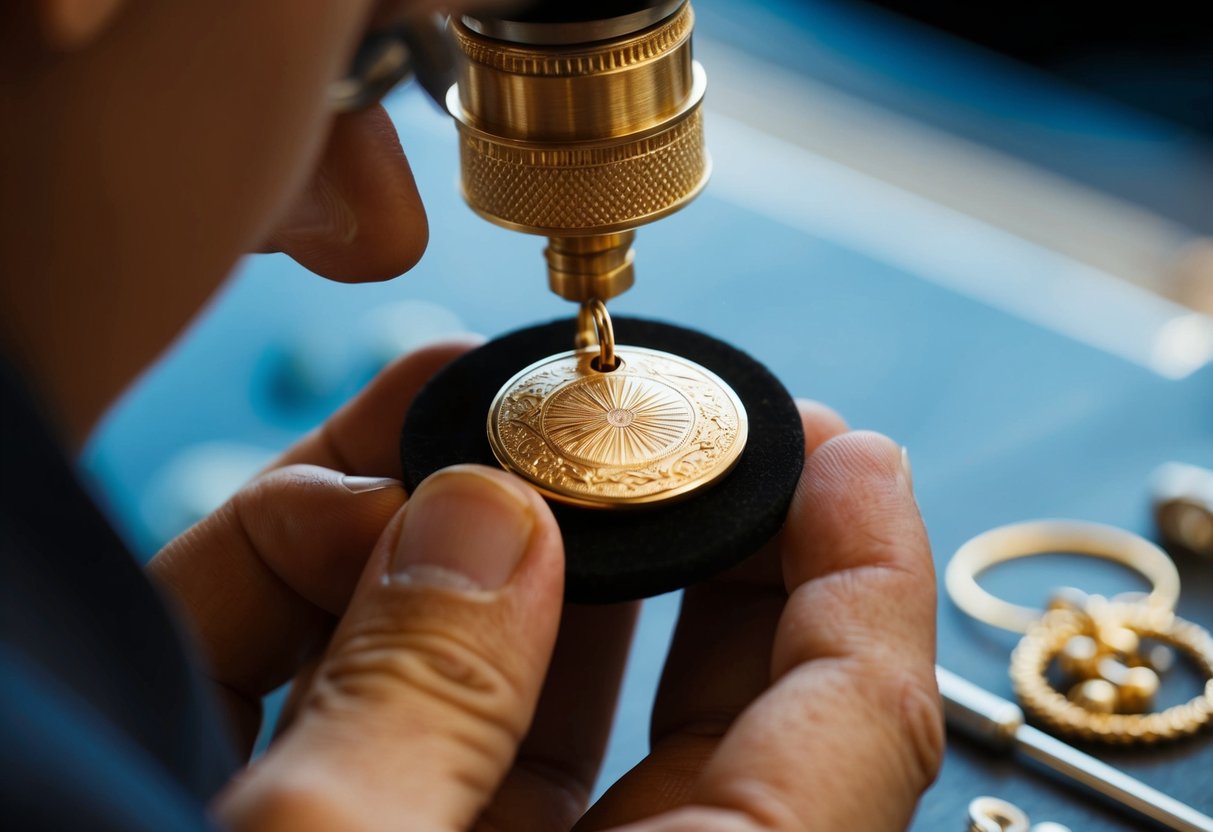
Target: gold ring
1048 637
1040 537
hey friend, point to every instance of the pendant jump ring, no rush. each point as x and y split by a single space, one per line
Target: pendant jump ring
606 334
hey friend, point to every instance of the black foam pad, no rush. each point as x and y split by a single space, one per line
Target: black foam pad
616 555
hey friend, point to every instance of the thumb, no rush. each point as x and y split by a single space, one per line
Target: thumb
431 679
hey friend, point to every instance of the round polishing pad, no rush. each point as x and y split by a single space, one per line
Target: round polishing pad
618 555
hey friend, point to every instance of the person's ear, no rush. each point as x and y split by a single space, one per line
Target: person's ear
72 24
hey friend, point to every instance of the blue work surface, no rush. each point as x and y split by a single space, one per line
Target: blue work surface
1005 419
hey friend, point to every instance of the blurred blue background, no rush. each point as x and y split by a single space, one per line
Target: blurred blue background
1004 272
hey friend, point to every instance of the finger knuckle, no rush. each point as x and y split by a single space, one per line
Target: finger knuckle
913 718
819 620
259 509
906 716
381 664
921 720
873 537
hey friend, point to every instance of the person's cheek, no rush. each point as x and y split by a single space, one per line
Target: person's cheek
166 149
212 121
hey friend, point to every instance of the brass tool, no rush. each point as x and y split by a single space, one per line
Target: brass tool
580 122
581 131
996 722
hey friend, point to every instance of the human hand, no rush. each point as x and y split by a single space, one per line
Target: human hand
776 710
263 580
800 691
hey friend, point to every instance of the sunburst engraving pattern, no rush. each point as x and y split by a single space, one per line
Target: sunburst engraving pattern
617 420
657 428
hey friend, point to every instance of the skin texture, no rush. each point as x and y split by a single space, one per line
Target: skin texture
113 175
438 682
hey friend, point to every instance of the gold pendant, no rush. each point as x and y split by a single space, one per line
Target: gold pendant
613 428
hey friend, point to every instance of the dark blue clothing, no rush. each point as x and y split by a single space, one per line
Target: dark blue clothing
105 720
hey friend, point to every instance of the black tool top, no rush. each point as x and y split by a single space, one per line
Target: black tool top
561 11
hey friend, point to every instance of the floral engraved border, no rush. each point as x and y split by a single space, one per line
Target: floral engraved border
715 432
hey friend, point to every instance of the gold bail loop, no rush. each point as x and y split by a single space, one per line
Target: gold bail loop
602 333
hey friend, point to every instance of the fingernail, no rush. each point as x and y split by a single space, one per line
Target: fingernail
462 530
361 485
905 466
321 212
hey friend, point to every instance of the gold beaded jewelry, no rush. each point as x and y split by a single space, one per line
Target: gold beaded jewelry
1109 715
1096 642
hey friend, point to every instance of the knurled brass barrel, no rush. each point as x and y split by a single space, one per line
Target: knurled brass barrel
581 132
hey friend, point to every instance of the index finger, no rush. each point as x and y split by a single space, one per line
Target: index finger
718 663
850 732
363 436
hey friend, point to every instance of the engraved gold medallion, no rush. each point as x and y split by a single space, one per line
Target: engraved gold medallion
656 427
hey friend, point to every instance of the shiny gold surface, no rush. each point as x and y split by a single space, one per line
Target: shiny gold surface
587 187
600 90
586 268
604 336
658 427
582 142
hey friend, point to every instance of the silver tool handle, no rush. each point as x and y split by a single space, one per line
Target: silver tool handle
1110 782
995 721
976 712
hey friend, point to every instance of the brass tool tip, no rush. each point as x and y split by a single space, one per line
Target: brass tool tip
581 140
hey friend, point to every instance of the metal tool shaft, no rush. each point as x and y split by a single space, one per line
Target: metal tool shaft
997 722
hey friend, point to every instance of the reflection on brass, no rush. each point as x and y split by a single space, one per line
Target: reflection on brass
584 190
581 132
604 336
581 141
584 268
612 88
655 428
